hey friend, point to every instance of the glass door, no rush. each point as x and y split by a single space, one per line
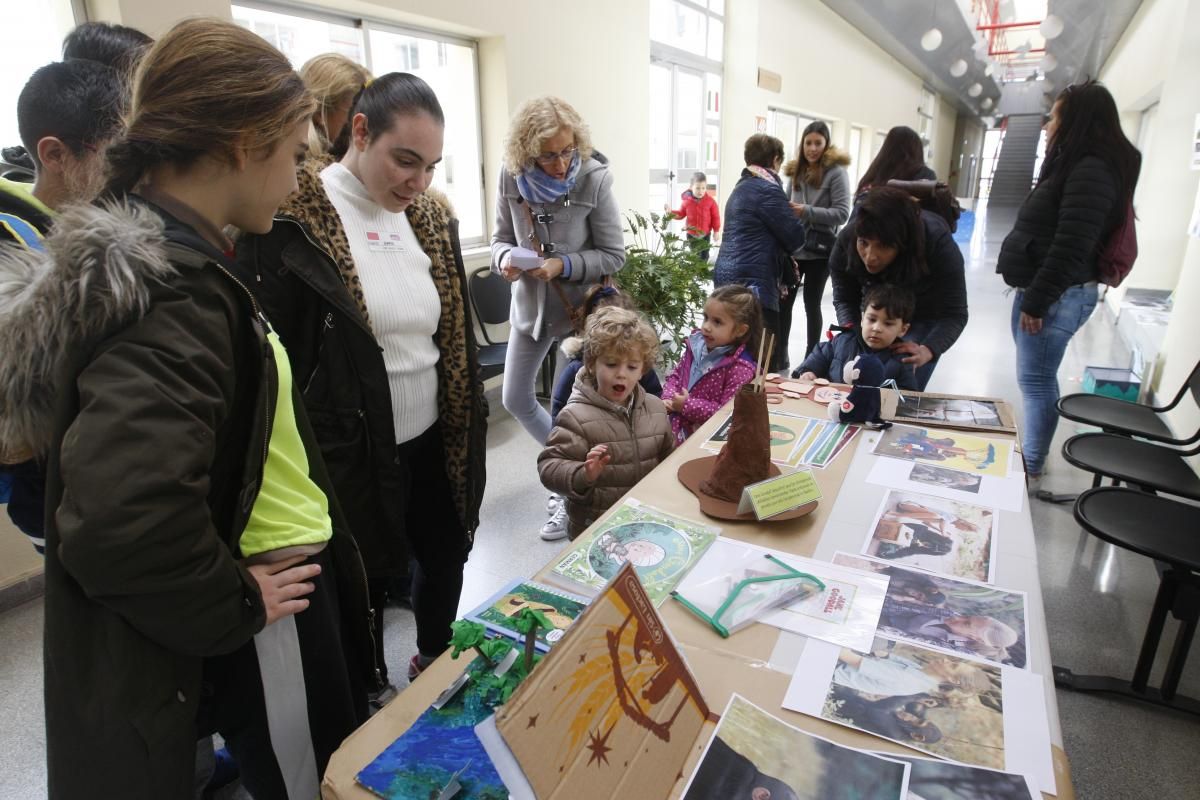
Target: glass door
684 125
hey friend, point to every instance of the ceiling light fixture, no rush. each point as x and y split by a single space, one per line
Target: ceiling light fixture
986 103
931 40
975 90
1049 62
958 68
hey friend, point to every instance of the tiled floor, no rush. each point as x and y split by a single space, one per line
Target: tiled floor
1097 597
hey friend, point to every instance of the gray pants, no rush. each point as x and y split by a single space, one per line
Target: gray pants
521 362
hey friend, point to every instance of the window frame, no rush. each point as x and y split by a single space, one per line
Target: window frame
365 24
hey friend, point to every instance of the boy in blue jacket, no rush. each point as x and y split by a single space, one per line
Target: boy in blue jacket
886 314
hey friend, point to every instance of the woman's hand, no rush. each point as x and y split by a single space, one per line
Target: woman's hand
808 377
676 403
1031 325
597 460
511 274
283 586
550 269
798 209
918 354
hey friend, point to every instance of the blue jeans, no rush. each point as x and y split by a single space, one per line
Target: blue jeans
1038 358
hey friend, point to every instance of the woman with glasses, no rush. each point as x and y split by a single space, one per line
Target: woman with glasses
1083 193
557 234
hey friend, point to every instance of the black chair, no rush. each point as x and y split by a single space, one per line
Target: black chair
1152 467
1131 419
491 299
1169 532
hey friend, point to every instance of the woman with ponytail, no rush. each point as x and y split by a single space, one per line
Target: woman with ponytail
189 517
363 275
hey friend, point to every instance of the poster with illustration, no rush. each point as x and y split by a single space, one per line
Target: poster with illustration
934 534
560 609
753 755
796 441
661 548
946 448
950 614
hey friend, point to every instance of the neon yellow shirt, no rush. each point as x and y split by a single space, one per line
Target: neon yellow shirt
290 510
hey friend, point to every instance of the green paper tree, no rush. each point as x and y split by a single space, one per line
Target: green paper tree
527 622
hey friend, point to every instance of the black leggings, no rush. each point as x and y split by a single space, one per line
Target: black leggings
436 537
816 274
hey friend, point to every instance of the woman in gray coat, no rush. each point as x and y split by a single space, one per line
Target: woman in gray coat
820 194
555 198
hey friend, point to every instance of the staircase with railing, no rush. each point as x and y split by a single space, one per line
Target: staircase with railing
1012 176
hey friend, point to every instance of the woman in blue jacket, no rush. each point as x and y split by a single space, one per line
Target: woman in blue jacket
761 235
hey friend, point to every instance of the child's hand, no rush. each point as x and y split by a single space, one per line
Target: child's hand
678 400
808 377
597 460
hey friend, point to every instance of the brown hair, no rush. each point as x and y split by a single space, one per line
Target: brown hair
744 308
203 89
618 331
763 151
333 79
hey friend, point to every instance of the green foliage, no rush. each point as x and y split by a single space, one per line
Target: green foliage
528 620
473 636
465 635
665 275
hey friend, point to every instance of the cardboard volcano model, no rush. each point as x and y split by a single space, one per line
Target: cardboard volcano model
718 481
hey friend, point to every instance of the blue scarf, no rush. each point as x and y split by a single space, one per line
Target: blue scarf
538 187
703 359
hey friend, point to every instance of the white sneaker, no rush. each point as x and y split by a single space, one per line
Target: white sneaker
556 527
553 502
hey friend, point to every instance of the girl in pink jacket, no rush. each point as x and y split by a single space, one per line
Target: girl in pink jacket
717 360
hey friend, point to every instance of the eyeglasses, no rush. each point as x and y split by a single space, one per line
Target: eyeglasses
546 159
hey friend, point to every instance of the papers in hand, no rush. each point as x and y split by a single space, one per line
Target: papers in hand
524 259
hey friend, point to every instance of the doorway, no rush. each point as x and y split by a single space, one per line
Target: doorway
685 124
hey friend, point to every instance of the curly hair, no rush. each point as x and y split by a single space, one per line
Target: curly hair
613 331
536 121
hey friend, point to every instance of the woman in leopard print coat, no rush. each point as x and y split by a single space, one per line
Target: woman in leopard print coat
362 277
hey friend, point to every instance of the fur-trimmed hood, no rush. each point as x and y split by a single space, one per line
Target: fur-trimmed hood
94 274
833 157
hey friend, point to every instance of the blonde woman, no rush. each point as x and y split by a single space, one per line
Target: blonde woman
334 80
557 190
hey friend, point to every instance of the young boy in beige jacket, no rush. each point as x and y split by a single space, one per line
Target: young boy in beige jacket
611 433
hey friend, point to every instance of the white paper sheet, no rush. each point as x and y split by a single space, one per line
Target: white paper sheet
1026 724
846 613
1007 494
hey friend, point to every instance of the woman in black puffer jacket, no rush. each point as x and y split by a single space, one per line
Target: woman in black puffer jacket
1050 257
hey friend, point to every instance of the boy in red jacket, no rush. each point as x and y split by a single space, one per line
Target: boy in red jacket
701 212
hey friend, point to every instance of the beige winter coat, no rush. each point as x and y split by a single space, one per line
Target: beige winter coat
638 438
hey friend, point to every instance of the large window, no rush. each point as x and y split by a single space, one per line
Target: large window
446 63
34 40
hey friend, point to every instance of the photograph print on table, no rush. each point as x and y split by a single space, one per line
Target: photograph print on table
946 478
950 614
946 448
954 411
934 779
934 534
757 756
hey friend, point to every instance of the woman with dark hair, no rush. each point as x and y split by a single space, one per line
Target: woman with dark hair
1083 193
900 157
199 575
892 240
362 275
819 188
761 236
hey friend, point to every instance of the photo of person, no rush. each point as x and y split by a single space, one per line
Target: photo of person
981 413
929 779
934 534
756 756
948 614
940 704
946 478
946 448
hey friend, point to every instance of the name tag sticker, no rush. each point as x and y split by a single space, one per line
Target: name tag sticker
384 242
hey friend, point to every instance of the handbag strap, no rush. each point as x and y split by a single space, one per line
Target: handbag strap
574 315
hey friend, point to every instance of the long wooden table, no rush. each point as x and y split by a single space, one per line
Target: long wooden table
742 663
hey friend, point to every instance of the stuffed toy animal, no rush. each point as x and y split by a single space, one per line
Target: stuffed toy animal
865 375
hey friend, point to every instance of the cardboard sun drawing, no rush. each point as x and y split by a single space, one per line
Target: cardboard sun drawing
613 710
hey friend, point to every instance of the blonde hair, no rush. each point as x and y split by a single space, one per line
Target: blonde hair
613 331
203 89
333 80
536 121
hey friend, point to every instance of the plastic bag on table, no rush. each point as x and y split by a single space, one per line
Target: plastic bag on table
734 599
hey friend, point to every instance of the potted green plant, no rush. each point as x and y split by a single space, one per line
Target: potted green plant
665 276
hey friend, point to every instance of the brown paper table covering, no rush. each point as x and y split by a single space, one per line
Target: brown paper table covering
721 666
